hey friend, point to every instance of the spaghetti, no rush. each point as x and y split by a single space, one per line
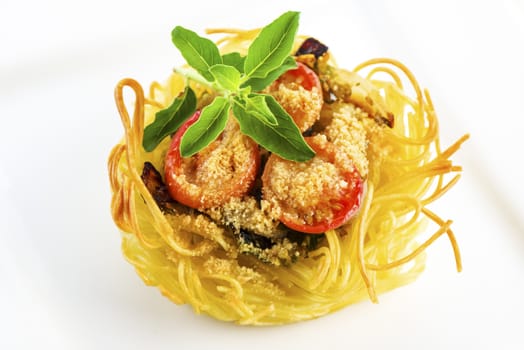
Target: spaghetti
191 260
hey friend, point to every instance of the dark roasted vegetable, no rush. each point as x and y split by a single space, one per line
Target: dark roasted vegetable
155 185
312 46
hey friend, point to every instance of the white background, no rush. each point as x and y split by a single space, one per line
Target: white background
63 281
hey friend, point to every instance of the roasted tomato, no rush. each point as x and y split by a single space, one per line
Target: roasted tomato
314 196
225 169
300 93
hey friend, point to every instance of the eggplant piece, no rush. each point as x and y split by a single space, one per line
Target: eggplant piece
312 46
155 185
257 241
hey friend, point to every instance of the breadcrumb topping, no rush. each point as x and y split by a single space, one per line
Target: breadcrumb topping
217 165
222 267
283 252
347 133
303 105
249 214
299 184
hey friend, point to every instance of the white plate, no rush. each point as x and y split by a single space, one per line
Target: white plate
64 283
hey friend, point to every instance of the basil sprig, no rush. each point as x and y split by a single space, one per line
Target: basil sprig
237 78
168 120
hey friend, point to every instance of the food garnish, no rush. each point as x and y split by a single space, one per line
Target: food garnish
238 80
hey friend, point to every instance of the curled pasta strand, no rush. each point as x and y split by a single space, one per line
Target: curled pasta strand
405 70
451 236
441 190
388 71
360 251
133 136
443 229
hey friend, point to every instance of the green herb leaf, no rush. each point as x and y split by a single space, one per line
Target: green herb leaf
235 60
226 77
200 53
168 120
256 106
235 77
206 129
283 139
258 84
272 45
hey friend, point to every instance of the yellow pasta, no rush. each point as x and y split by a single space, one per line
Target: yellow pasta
378 250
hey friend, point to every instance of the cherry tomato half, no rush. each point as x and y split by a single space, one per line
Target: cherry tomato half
314 196
303 105
225 169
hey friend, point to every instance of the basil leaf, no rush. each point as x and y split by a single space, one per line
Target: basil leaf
272 45
226 76
256 106
206 129
283 139
235 60
258 84
200 53
168 120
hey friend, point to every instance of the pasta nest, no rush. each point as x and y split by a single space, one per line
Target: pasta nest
382 248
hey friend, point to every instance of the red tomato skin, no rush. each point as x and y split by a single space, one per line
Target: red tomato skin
307 77
173 165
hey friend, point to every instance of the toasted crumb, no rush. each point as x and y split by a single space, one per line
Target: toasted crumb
199 232
301 183
217 167
348 134
247 276
303 105
246 213
282 252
